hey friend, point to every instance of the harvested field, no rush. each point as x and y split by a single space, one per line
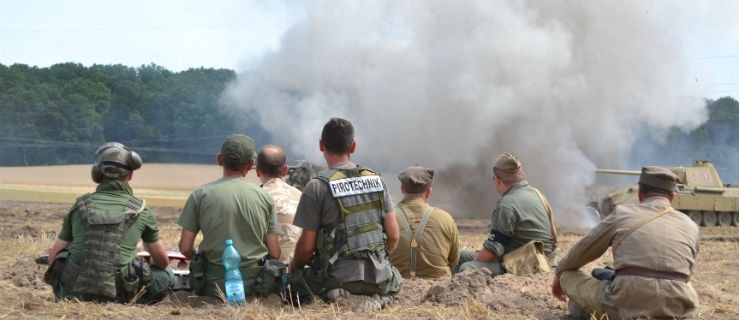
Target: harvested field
29 228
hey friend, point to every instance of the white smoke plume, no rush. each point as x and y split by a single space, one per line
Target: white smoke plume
451 84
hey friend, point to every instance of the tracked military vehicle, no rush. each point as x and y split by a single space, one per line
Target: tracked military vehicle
701 195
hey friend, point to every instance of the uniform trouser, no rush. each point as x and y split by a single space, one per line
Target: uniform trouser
161 281
158 287
467 261
582 289
258 280
313 281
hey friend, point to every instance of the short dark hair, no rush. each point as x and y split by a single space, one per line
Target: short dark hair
271 161
647 190
337 136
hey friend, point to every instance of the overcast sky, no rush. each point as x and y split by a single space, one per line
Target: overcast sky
233 34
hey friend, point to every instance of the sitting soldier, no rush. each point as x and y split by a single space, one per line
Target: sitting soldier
429 242
94 257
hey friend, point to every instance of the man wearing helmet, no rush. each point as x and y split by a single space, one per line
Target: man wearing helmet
94 257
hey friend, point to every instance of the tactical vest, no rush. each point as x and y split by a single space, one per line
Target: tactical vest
359 194
103 236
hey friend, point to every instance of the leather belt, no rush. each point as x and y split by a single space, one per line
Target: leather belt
642 272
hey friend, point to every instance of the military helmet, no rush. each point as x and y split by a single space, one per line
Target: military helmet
299 175
114 161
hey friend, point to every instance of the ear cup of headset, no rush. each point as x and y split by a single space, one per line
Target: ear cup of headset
133 160
96 173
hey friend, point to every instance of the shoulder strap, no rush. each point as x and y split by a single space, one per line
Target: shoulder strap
414 239
549 213
617 244
404 223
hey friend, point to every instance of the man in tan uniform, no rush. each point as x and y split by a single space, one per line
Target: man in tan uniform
429 251
654 250
271 168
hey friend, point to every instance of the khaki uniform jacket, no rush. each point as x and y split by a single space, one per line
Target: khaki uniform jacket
668 243
438 245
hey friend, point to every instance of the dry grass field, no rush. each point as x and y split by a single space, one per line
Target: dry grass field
34 200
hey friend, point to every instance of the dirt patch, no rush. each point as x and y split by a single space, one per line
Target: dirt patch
523 295
29 228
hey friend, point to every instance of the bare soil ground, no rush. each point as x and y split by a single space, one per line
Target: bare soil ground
29 227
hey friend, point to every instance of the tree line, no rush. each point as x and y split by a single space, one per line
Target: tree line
61 114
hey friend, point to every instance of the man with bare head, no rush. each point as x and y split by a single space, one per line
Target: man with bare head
349 228
521 215
271 168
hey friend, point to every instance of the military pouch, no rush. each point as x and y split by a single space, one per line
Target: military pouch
198 266
135 275
526 259
268 278
130 281
54 273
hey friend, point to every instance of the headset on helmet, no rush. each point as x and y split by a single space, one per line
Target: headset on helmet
114 161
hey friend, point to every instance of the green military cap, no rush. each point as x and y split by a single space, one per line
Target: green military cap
507 162
238 149
658 177
416 179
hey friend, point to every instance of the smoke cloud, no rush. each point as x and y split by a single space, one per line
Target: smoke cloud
564 85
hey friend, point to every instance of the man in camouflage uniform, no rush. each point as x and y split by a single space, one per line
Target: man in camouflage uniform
349 226
94 257
520 216
655 249
299 175
271 169
429 239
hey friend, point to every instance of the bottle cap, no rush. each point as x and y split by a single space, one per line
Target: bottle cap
229 242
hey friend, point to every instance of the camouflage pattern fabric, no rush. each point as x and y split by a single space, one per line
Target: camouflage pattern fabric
104 232
286 202
299 175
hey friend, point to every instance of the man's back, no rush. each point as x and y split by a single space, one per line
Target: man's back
230 208
668 244
111 197
319 210
286 199
438 245
521 215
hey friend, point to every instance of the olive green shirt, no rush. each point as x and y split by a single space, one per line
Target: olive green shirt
438 245
519 217
230 208
668 243
110 196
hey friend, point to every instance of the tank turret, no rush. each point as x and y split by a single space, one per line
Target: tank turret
700 194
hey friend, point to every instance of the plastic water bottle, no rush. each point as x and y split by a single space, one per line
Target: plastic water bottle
234 281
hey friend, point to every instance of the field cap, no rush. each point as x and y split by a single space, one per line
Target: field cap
658 177
237 150
416 179
507 162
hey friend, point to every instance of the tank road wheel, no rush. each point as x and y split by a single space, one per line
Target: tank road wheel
696 216
725 218
709 218
735 219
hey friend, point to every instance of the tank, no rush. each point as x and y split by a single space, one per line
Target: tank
701 195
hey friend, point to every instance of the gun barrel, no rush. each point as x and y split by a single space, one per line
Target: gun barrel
613 171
